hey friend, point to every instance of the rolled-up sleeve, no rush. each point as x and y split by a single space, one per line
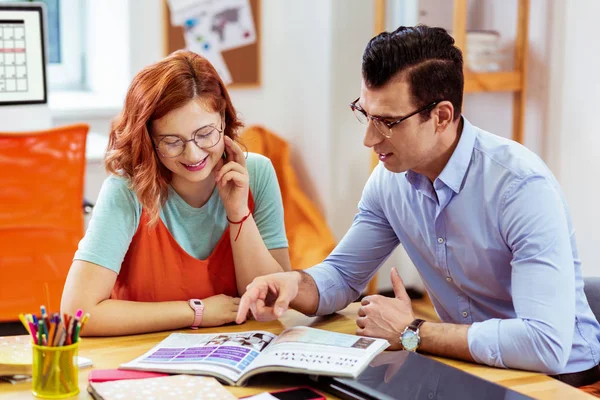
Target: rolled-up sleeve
534 223
368 243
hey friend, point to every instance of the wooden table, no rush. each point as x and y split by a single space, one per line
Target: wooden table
111 352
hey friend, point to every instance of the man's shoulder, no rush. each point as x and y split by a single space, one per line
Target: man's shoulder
502 155
385 188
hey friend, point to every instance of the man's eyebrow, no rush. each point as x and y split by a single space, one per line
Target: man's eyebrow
383 116
387 116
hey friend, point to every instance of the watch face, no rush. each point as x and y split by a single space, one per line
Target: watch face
197 303
410 340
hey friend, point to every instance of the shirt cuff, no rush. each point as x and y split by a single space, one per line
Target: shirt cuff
484 342
331 291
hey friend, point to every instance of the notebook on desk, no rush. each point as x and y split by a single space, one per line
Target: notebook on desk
404 375
182 387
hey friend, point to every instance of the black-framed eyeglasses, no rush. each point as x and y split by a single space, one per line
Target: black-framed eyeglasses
172 146
385 127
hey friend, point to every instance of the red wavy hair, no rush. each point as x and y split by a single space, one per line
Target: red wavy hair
155 91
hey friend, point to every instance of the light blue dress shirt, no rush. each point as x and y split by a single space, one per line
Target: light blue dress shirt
493 241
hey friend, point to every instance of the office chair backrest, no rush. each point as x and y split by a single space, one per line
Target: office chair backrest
592 292
310 238
41 217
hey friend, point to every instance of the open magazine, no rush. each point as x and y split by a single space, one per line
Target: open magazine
235 357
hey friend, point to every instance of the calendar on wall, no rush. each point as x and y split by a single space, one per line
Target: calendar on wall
22 55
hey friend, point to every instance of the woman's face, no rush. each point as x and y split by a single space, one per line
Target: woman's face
189 160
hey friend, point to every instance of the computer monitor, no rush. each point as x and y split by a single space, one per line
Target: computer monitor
22 54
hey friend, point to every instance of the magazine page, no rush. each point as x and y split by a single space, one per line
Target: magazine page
318 351
225 355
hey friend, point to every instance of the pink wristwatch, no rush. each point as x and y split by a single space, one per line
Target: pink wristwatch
198 308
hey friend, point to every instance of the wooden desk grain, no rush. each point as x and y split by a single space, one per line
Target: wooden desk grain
111 352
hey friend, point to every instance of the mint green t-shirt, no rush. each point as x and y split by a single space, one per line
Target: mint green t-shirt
117 215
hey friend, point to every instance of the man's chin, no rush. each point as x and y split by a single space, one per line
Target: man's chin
394 168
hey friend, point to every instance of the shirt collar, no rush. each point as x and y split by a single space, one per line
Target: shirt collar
455 170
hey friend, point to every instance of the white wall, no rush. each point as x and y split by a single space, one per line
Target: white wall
574 137
293 99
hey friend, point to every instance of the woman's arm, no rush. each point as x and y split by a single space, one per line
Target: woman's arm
251 256
88 287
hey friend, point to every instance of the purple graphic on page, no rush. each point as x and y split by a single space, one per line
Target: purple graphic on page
164 355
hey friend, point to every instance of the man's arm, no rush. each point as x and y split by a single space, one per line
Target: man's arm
535 226
542 287
446 340
368 243
307 300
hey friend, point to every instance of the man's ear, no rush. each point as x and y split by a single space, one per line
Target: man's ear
445 115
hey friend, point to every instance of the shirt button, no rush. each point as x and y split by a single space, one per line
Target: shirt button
449 279
465 314
440 240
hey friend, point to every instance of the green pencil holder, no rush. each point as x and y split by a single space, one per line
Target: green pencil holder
55 373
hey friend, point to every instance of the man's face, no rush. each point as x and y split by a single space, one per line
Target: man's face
412 142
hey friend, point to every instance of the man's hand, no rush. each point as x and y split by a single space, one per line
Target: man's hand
386 317
269 296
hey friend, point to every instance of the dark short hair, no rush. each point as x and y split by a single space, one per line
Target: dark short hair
434 65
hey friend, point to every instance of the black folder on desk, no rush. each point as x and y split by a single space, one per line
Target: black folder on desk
404 375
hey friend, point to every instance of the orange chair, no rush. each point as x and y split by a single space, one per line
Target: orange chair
310 239
41 218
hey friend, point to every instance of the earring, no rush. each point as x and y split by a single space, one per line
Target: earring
224 156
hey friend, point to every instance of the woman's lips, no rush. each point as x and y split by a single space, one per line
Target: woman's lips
196 167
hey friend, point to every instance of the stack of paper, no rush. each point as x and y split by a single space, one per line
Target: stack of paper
214 26
483 51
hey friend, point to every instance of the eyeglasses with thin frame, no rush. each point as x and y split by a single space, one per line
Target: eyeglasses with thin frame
172 146
385 127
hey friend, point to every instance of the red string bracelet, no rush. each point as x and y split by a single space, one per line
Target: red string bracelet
240 222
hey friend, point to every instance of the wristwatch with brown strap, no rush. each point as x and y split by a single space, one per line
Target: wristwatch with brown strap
409 338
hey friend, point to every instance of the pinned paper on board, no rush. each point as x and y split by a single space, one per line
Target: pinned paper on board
232 23
199 44
184 10
211 27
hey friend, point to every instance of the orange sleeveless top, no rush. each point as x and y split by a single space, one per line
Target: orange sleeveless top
156 268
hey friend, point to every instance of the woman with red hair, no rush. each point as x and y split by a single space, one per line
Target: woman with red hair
185 221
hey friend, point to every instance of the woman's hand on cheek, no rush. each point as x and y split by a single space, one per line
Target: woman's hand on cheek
233 181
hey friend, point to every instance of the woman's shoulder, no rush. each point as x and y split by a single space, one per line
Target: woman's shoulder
257 162
118 189
119 184
259 168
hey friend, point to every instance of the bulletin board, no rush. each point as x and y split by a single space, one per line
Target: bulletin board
243 62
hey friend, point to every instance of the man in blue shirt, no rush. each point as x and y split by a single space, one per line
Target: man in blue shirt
482 218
